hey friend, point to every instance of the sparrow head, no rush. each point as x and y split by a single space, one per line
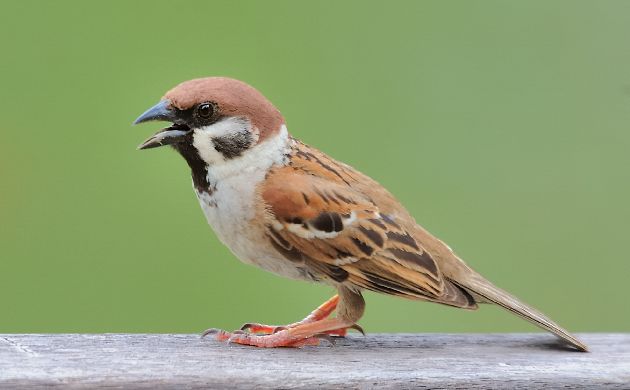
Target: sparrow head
213 119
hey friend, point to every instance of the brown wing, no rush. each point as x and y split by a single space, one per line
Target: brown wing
338 234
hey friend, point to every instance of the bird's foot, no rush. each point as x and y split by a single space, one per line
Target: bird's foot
281 338
305 334
322 312
310 331
253 327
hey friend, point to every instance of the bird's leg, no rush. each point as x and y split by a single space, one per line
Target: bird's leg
323 311
309 331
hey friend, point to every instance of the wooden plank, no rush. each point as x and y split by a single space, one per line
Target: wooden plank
470 361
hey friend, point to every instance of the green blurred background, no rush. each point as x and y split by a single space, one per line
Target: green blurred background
502 126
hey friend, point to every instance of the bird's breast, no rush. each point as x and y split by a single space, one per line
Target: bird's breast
235 213
230 209
235 210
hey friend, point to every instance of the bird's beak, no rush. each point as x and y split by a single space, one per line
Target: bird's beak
163 111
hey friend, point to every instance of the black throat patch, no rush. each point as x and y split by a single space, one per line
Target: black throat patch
233 145
198 167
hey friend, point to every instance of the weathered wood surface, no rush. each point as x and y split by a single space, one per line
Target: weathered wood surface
470 361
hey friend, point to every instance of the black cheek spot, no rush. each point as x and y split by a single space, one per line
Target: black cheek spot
233 145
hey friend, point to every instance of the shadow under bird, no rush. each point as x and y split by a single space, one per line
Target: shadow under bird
288 208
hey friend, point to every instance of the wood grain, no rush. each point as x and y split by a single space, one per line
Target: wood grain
471 361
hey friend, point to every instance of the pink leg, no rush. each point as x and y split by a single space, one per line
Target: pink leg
298 336
285 336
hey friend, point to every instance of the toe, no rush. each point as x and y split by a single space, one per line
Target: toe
282 338
253 327
220 334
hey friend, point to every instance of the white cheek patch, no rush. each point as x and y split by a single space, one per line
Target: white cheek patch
226 128
252 165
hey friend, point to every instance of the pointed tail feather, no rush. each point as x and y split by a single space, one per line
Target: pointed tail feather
476 284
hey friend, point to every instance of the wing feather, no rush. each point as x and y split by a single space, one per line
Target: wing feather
341 236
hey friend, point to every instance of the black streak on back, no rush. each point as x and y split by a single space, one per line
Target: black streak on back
290 253
390 284
363 247
388 220
337 274
423 259
328 222
403 239
373 236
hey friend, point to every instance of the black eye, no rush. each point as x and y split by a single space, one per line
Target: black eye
205 110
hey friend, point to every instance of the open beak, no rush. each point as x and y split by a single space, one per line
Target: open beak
163 111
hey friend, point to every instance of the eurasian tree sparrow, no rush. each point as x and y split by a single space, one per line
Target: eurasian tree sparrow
290 209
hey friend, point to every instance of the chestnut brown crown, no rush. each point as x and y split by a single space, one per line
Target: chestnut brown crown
229 98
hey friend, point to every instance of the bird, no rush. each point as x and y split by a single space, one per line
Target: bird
288 208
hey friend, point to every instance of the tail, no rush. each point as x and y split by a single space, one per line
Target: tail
480 287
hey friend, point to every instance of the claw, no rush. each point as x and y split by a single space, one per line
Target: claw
210 331
327 337
231 339
253 325
357 328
